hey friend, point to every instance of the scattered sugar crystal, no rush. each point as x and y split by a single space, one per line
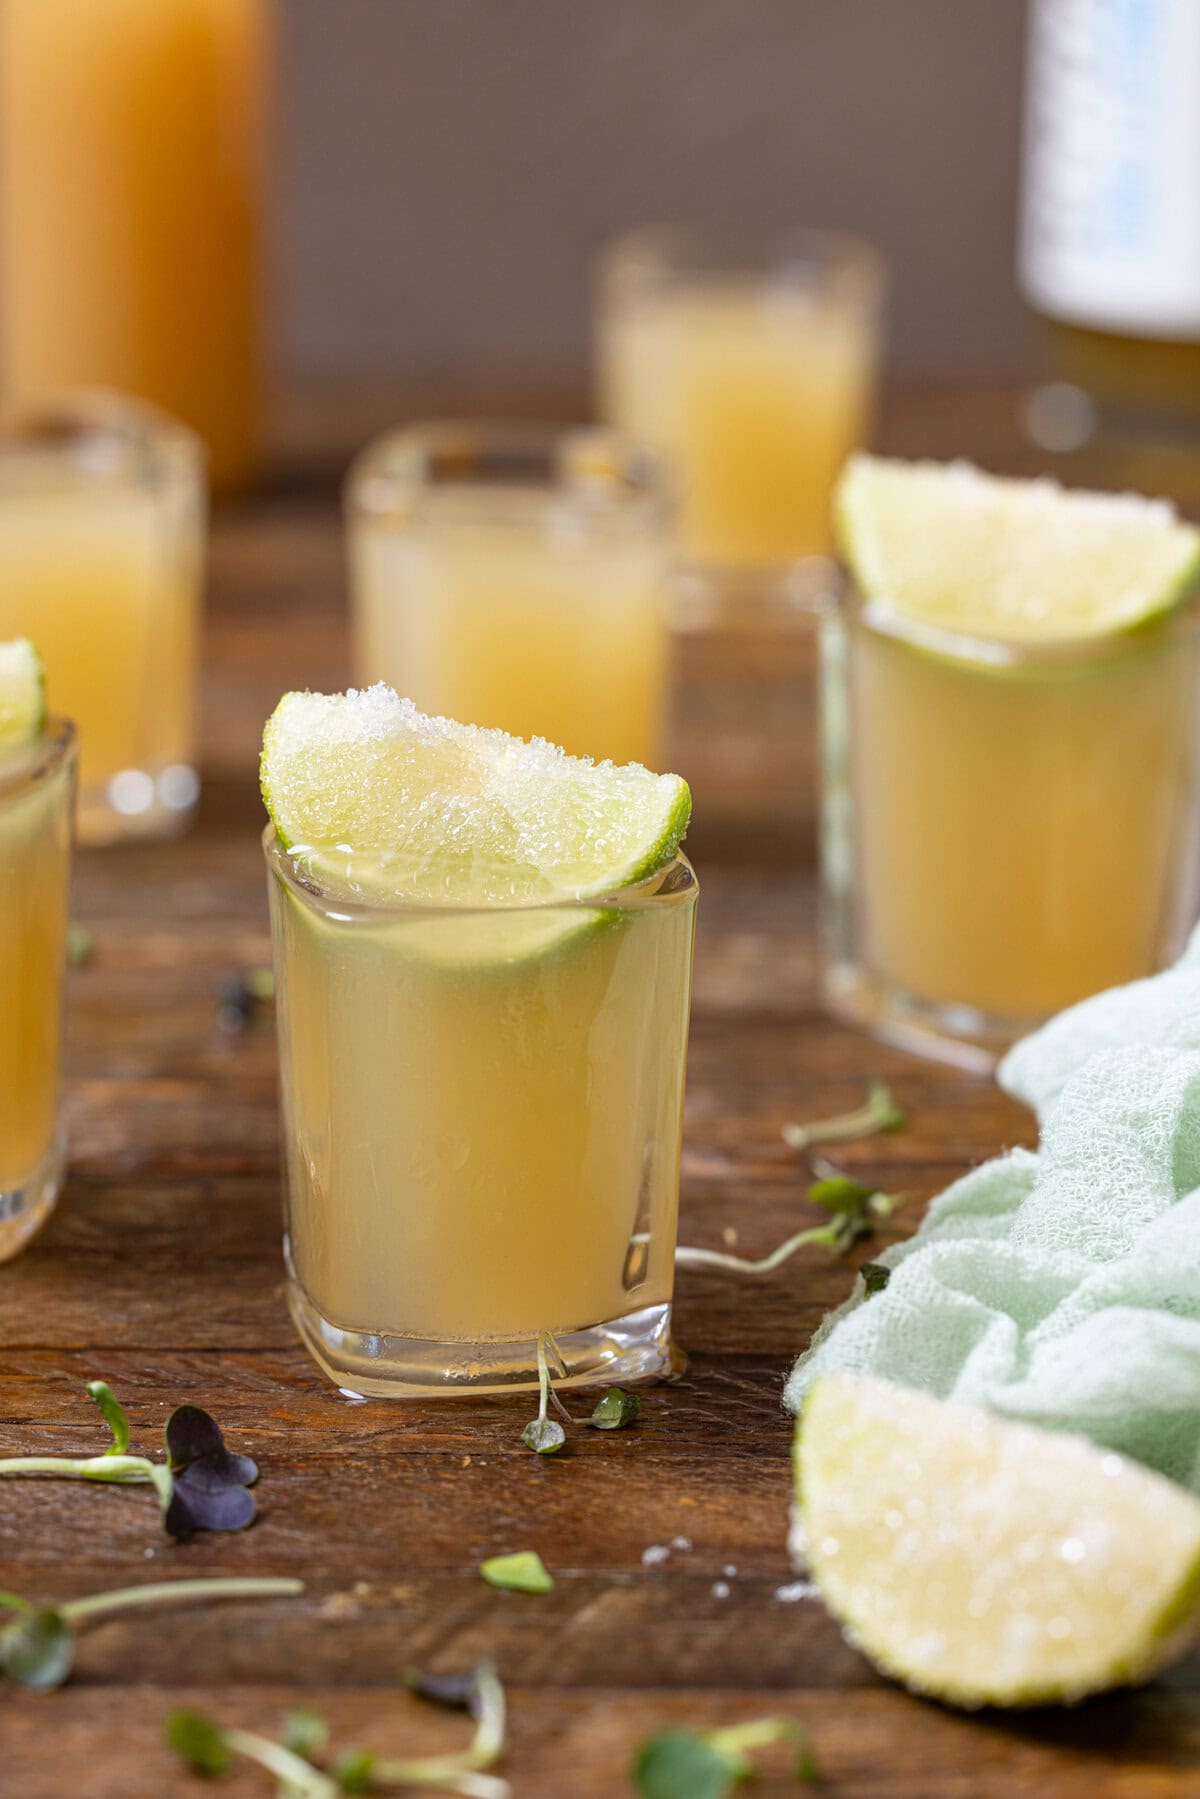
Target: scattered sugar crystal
729 1570
797 1589
720 1589
681 1542
655 1555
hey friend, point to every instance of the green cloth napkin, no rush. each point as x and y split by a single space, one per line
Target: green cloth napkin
1062 1286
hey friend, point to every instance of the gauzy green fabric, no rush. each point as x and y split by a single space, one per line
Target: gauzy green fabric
1062 1286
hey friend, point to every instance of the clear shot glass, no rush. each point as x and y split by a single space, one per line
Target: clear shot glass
1006 828
517 577
752 369
36 793
102 513
481 1119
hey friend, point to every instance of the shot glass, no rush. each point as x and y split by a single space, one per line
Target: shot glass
101 557
519 578
36 793
1006 828
752 370
481 1118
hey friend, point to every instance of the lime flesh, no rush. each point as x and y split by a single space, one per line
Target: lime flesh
985 1562
370 795
22 694
946 546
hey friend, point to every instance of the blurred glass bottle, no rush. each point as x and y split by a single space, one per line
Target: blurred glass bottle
133 173
1110 225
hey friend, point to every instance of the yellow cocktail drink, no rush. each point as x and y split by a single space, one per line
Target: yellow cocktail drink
483 1117
483 959
100 562
1012 782
35 834
1024 830
516 579
133 148
755 385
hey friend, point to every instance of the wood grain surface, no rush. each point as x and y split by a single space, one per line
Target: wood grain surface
161 1272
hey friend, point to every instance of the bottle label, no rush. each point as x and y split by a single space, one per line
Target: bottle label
1110 225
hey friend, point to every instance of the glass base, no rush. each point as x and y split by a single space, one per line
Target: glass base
959 1034
138 806
637 1347
25 1209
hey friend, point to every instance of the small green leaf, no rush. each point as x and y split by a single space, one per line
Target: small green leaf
678 1764
875 1277
81 945
353 1770
615 1409
305 1733
114 1415
523 1572
37 1650
544 1435
841 1194
199 1742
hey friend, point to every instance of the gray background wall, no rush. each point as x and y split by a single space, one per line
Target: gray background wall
451 166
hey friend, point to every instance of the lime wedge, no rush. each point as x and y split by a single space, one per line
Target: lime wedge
1021 561
987 1562
22 694
371 795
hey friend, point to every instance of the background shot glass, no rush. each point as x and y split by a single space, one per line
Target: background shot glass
1006 828
102 514
482 1114
753 373
517 578
36 791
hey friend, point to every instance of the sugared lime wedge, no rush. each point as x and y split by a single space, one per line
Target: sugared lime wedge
22 694
987 1562
372 795
1023 561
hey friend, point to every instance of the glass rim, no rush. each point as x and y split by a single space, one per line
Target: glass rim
107 435
55 748
638 896
878 616
847 266
603 475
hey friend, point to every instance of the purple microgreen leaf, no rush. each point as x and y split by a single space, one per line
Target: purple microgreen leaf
195 1508
460 1691
209 1473
191 1433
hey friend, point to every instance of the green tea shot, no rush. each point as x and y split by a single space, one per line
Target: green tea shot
483 953
37 775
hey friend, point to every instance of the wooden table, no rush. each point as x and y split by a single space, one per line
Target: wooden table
161 1273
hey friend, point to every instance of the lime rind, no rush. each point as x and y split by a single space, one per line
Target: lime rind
949 547
986 1562
22 694
373 797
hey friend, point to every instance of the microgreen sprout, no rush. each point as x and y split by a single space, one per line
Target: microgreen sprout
37 1647
81 945
201 1485
544 1434
687 1764
855 1210
241 998
209 1748
615 1409
878 1113
523 1572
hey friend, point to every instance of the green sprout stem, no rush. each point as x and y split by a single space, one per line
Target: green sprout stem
298 1776
826 1235
461 1773
879 1112
176 1592
125 1470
